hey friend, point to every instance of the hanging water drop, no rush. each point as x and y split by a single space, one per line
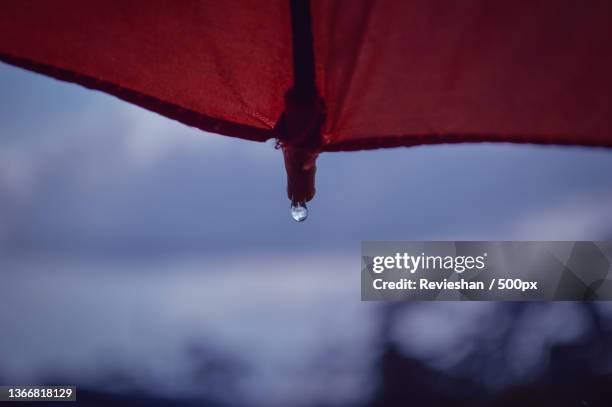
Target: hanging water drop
299 211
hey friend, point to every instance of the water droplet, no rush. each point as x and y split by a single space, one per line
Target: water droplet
299 211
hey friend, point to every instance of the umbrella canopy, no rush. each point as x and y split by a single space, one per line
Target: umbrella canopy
332 75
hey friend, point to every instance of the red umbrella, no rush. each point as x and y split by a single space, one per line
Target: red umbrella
335 75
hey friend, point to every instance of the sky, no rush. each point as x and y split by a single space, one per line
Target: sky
138 236
79 168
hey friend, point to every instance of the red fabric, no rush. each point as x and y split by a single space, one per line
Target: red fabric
220 66
430 71
390 72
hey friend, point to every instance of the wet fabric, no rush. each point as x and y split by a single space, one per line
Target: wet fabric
390 73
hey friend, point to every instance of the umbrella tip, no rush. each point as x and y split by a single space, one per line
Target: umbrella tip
300 138
301 170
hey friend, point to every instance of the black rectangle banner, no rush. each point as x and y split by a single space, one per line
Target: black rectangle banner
486 271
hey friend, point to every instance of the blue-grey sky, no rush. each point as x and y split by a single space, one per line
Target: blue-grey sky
80 168
85 176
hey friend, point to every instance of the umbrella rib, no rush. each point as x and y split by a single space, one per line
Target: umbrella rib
304 86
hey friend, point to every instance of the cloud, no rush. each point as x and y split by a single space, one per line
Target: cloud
83 169
93 319
583 217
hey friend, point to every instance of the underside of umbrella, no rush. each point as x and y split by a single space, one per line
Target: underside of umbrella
335 75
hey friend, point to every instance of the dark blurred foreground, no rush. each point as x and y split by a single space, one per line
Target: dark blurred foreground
576 373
